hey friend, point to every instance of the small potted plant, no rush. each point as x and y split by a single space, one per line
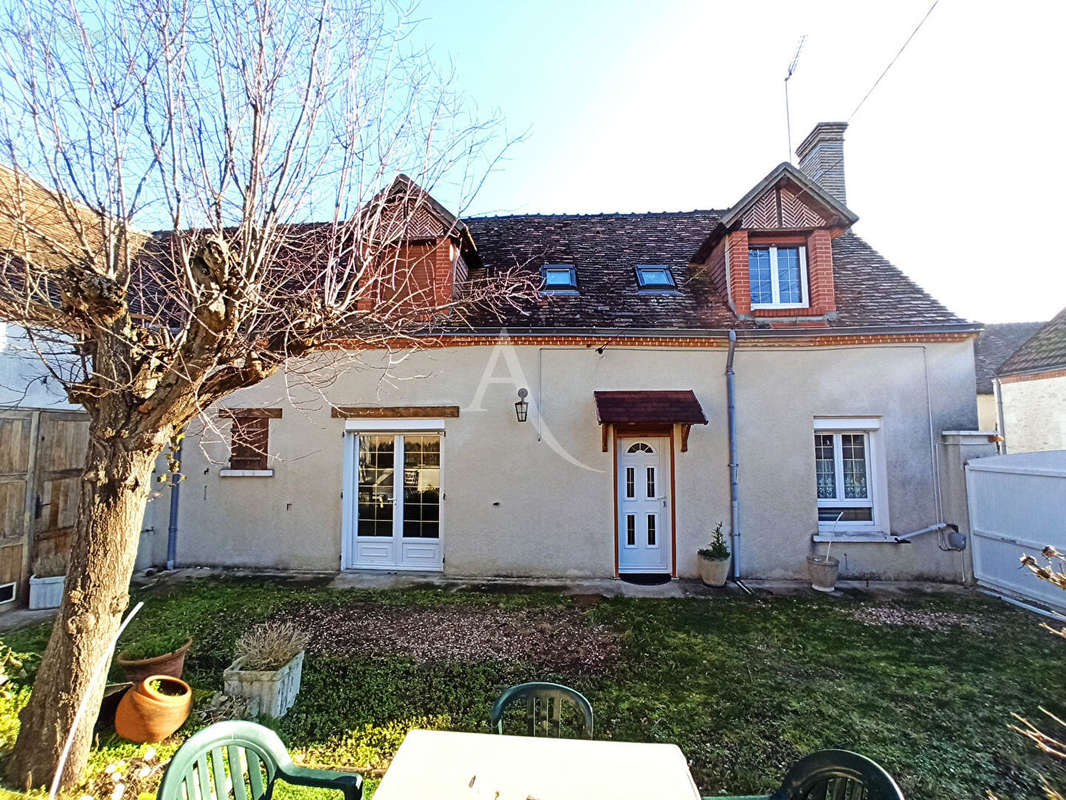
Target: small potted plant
155 653
47 581
714 559
268 667
823 571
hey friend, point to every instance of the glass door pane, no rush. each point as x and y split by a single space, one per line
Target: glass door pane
376 468
421 486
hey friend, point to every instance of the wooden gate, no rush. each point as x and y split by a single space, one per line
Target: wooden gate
41 459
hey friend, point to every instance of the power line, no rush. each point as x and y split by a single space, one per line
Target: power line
894 59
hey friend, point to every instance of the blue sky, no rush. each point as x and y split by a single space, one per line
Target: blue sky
953 163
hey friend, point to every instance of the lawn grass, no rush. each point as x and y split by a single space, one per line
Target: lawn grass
743 686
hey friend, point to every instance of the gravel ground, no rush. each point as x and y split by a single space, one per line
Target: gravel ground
559 639
930 620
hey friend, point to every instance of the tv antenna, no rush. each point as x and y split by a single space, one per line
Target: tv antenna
788 115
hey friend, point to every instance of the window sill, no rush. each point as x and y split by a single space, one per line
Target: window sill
854 537
776 306
246 473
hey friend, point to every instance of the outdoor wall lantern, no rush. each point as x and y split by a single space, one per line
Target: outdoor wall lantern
521 408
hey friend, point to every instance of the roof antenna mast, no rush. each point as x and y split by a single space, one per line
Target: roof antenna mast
788 115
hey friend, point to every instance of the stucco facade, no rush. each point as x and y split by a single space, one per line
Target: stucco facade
1034 411
538 498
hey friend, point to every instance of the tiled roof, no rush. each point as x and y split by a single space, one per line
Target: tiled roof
606 248
1045 349
660 406
994 345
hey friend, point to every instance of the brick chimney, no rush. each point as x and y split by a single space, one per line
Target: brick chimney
821 157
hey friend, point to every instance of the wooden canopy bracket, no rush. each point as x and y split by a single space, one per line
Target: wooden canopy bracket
606 428
684 437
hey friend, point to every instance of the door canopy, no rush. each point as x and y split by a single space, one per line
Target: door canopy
649 410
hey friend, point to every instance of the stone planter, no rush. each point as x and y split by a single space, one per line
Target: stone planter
714 571
823 572
46 592
274 690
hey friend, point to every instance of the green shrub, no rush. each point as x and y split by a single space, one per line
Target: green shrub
152 643
717 551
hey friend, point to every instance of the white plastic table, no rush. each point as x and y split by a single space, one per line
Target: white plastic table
446 765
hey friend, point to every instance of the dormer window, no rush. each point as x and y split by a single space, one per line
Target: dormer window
558 279
778 277
655 278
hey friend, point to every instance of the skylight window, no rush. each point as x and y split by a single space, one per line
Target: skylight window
558 278
655 277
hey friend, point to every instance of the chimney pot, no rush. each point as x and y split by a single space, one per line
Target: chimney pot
821 158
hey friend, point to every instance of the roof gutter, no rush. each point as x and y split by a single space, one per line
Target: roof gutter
717 333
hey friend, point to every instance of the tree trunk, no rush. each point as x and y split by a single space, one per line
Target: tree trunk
114 490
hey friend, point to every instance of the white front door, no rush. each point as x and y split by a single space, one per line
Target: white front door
392 501
644 539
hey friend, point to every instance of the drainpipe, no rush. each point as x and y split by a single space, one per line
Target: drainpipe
997 387
731 408
172 530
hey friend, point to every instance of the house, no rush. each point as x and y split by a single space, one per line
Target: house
991 348
1032 390
759 365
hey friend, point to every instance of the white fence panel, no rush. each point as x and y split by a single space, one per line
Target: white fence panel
1017 505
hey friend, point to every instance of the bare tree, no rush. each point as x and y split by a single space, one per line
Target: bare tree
1052 571
229 126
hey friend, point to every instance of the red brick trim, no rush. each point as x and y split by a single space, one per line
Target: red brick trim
1033 376
677 342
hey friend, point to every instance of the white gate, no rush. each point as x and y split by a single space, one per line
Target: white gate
1017 505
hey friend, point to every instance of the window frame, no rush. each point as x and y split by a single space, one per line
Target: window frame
249 423
876 476
569 288
644 286
775 277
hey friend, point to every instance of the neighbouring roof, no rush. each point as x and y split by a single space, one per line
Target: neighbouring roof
1044 350
606 248
670 406
994 345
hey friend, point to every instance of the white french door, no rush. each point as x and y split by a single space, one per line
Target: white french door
392 501
644 537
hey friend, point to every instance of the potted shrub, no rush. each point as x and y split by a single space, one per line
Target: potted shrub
268 667
714 559
155 653
823 571
153 709
47 581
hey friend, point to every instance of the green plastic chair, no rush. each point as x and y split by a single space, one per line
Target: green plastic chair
208 765
544 706
837 775
832 775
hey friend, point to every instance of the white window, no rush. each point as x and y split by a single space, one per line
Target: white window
778 277
849 475
655 278
559 279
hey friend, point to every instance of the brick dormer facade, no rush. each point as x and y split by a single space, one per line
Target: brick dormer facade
788 223
421 262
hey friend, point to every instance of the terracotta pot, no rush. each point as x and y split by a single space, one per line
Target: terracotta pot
823 573
148 715
137 669
714 571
